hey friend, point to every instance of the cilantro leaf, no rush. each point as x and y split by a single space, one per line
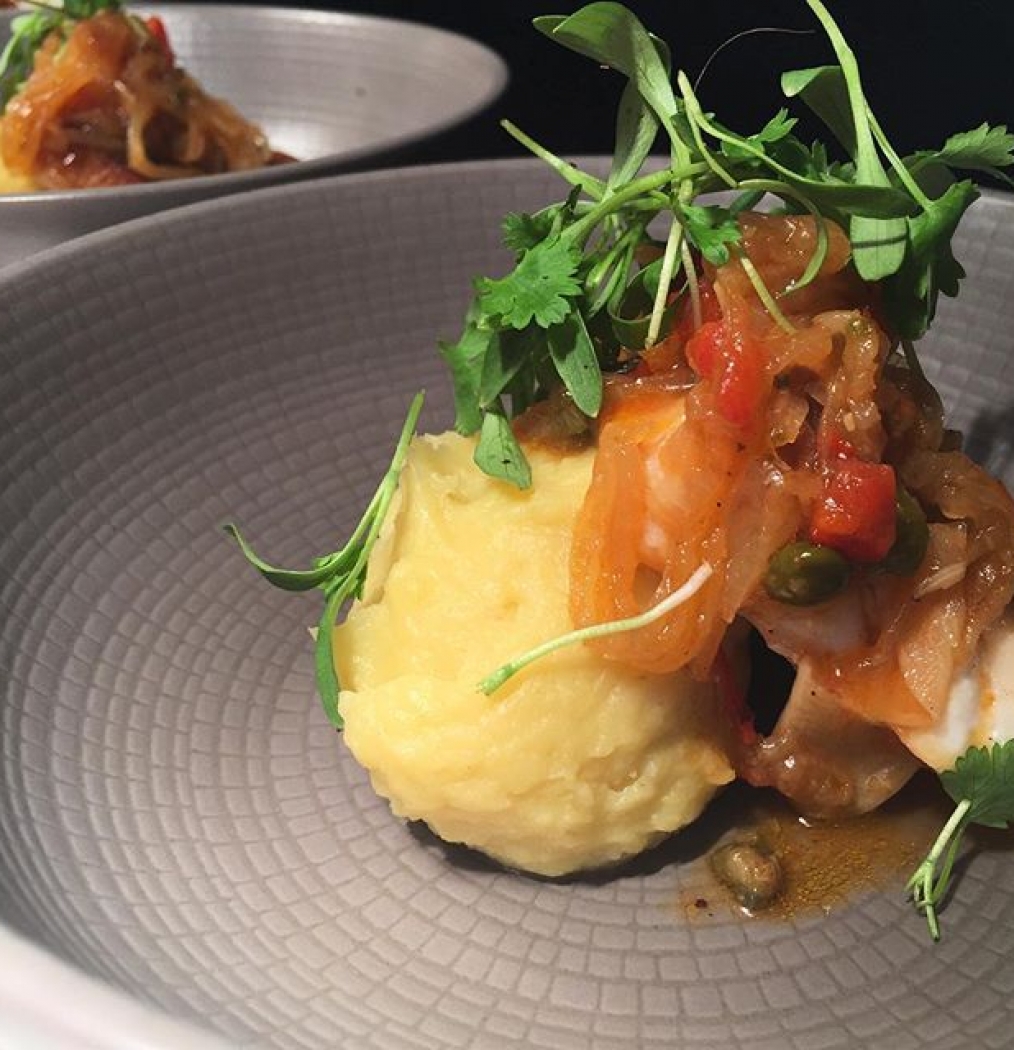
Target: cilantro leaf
982 785
981 149
985 148
712 229
985 777
522 232
930 268
777 129
538 289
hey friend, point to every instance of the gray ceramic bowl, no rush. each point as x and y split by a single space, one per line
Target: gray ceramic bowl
187 852
334 90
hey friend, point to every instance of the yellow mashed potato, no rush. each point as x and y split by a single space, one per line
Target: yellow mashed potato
574 763
11 183
14 183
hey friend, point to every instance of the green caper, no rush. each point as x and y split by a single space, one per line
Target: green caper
805 573
752 874
912 537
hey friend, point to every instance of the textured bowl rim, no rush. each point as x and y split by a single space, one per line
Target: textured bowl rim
198 187
264 195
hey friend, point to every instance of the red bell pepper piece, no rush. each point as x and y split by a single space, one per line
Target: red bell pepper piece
156 27
856 513
735 364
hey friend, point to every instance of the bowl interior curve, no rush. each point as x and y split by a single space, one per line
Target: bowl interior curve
177 819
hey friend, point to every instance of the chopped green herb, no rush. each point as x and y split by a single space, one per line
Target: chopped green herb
538 290
577 260
711 229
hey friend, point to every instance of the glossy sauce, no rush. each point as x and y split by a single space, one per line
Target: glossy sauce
825 865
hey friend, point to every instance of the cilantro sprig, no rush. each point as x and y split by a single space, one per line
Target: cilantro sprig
29 31
558 316
982 785
342 574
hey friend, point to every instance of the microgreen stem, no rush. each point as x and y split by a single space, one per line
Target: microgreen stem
340 588
820 252
749 147
692 285
765 296
682 594
904 175
638 188
341 575
614 264
672 248
594 187
926 887
56 9
696 120
867 162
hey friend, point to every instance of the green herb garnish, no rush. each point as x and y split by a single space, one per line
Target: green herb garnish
29 31
548 321
678 597
982 785
340 575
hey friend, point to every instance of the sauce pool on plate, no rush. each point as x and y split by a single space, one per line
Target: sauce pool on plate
823 864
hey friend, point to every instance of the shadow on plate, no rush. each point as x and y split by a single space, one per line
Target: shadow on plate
723 816
990 439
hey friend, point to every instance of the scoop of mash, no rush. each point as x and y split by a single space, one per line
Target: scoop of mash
573 763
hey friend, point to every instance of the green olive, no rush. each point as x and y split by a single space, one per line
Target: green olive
912 538
805 573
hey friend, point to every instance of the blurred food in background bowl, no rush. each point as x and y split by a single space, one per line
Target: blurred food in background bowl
331 90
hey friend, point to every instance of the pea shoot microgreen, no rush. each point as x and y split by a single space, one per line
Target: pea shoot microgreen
552 319
492 682
340 575
29 30
982 785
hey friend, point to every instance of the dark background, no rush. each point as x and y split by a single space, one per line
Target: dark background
930 68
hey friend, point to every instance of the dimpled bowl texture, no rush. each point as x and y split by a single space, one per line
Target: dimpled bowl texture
335 90
183 839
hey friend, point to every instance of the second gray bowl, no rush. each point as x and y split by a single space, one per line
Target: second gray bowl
333 90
